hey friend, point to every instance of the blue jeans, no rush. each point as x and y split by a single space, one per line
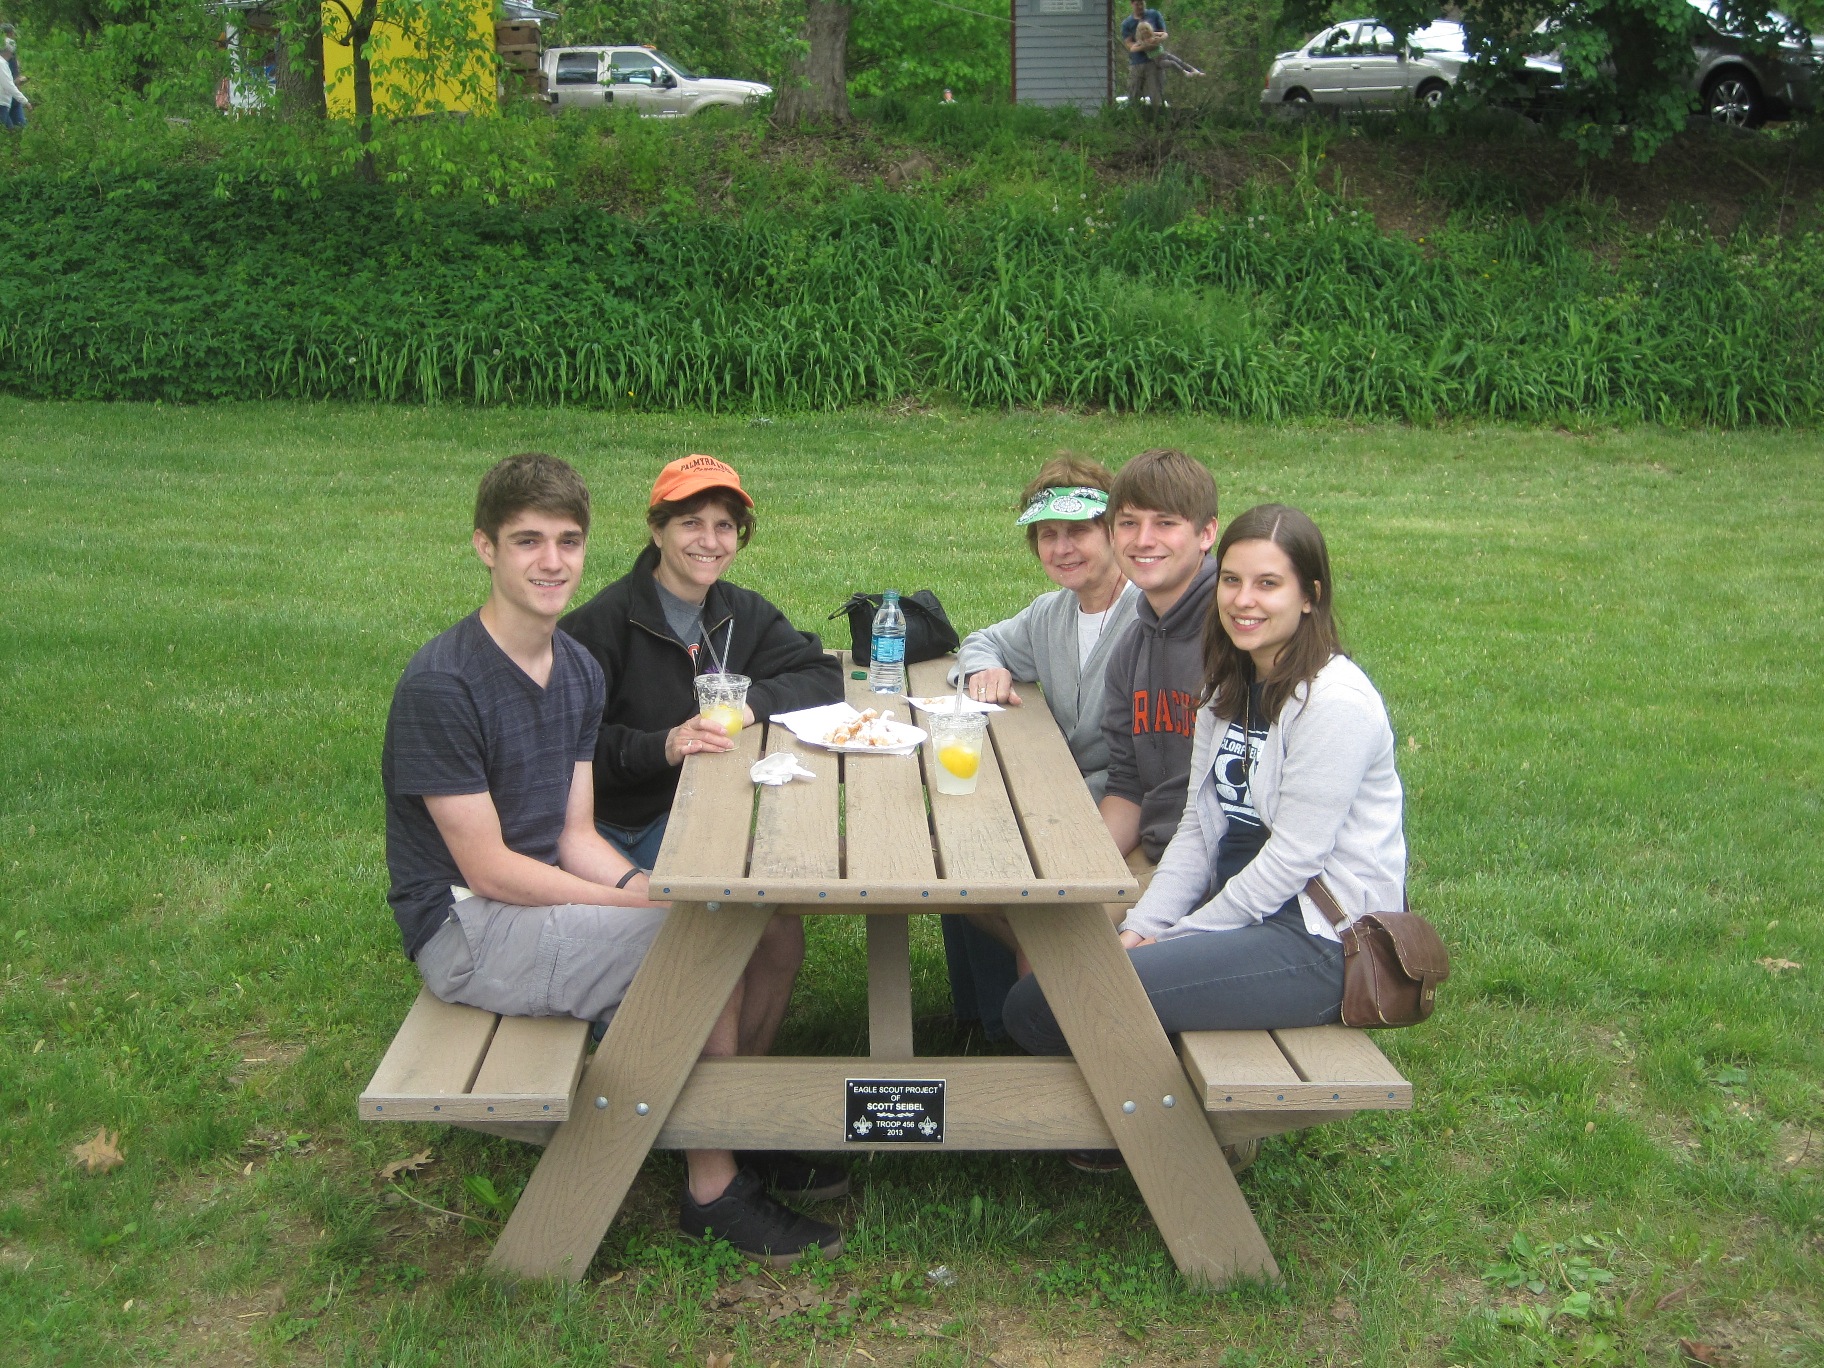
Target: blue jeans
13 116
639 844
982 970
1264 977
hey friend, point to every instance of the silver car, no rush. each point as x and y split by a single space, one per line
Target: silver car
648 80
1357 64
1743 84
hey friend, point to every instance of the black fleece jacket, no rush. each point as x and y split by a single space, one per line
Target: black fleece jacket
649 679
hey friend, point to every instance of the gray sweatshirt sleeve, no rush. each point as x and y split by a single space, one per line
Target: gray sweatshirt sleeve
1011 645
1328 746
1118 720
1182 881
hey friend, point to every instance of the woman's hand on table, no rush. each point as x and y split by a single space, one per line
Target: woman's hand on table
1133 940
698 736
992 686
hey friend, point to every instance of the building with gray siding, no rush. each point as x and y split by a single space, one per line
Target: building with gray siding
1061 52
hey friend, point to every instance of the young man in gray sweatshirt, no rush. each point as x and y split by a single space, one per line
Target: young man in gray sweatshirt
1162 516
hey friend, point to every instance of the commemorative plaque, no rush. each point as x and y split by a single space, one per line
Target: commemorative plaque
895 1111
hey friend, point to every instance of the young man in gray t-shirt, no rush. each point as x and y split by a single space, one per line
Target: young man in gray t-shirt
506 895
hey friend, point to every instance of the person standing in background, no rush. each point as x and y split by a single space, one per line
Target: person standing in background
13 103
1145 77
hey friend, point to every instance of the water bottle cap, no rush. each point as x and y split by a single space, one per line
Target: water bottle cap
891 595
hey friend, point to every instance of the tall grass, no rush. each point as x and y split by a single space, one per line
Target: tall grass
1292 305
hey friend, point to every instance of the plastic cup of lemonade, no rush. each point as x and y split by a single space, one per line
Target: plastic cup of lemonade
721 698
956 747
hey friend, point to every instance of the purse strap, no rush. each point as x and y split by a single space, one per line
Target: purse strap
1319 893
1316 890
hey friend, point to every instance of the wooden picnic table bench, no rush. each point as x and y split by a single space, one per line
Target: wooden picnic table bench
865 839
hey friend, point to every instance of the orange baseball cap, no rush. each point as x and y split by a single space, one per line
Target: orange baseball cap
692 475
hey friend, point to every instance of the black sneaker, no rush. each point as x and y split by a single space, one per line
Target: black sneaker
755 1224
1095 1161
1239 1155
814 1180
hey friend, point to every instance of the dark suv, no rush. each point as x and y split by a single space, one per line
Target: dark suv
1744 83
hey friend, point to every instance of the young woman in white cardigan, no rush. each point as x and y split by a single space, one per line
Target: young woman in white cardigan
1292 777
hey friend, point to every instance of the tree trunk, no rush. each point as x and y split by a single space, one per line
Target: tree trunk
359 32
816 85
300 75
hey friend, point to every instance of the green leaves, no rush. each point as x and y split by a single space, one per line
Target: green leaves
185 287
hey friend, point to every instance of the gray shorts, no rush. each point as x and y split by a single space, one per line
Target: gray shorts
573 960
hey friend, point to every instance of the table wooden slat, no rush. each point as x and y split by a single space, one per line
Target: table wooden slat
978 837
1062 828
795 826
537 1056
436 1052
710 814
888 834
888 841
1345 1063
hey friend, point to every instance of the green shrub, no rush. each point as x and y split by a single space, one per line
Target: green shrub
157 288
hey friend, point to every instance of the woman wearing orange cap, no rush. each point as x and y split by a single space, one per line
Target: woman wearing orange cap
669 619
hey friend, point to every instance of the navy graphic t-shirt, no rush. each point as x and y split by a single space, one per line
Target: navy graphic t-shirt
1237 757
466 719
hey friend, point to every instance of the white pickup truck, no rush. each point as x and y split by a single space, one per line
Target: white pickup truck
651 82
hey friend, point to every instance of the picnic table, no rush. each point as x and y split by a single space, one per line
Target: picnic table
864 839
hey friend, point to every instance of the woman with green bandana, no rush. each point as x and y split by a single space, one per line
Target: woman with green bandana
1062 640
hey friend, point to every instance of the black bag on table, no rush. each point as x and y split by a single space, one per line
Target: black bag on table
928 630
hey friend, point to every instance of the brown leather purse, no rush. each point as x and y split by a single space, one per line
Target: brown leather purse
1393 963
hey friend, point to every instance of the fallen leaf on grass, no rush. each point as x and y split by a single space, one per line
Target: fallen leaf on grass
100 1152
1673 1297
1697 1352
719 1361
790 1303
1776 966
736 1293
398 1166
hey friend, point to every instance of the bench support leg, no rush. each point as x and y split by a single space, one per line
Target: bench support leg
889 987
1127 1061
648 1053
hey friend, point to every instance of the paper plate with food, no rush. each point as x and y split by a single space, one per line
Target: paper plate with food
839 727
947 703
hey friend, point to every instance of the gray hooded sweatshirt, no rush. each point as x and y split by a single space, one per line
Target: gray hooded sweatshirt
1040 642
1155 677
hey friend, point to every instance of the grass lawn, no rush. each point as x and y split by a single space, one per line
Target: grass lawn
1601 653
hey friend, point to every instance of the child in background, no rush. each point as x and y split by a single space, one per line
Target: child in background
1144 34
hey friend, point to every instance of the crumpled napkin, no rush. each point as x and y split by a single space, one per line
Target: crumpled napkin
781 767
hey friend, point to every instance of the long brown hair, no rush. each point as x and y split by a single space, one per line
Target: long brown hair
1227 669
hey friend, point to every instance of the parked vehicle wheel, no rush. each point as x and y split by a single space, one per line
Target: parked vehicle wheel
1296 96
1431 94
1733 98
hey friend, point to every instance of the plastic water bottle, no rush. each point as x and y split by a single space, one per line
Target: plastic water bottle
887 648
